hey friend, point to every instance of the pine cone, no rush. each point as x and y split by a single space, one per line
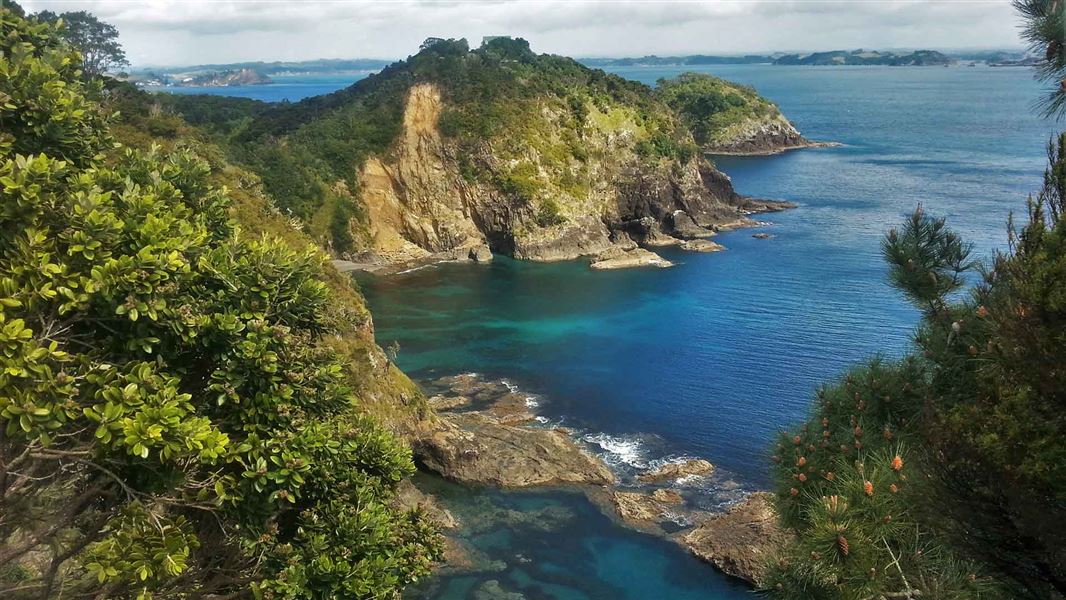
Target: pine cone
842 545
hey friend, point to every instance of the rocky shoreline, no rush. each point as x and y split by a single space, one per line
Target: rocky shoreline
485 433
621 253
770 150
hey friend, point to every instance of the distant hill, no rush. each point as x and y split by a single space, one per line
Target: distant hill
696 59
325 65
918 58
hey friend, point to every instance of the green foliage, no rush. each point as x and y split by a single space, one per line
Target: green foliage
500 94
95 40
1044 27
710 106
175 418
549 213
37 108
977 504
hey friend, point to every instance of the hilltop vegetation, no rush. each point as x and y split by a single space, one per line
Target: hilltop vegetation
728 117
539 155
186 387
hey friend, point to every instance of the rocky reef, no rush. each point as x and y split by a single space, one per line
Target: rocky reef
486 433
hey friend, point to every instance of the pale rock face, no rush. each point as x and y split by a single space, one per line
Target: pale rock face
419 205
416 201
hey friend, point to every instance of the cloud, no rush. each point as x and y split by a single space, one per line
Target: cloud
196 31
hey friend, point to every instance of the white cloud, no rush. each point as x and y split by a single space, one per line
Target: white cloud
197 31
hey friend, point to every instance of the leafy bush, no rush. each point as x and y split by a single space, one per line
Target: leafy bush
175 421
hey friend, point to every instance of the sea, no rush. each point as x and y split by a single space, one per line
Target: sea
714 357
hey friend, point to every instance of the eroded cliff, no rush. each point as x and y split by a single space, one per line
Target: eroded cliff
455 151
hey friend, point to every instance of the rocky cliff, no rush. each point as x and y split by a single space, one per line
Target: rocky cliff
453 151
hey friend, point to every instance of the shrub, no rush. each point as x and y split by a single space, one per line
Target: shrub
174 420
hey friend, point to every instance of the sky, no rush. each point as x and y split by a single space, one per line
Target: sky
185 32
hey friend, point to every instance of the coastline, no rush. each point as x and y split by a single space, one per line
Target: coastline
685 500
481 254
773 150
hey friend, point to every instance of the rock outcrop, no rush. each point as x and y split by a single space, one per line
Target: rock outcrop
740 541
617 258
702 246
676 470
474 448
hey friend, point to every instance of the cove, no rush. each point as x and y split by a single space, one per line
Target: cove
712 357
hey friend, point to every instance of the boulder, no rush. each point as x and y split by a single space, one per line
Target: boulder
475 448
682 225
635 506
740 541
762 236
480 253
677 470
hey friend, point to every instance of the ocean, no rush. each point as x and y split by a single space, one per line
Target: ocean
713 357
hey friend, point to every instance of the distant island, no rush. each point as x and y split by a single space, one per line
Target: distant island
247 73
917 58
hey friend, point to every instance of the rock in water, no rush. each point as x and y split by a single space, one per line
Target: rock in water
702 246
635 506
619 259
475 448
677 470
740 541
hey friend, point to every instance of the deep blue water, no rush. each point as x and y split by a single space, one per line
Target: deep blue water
712 357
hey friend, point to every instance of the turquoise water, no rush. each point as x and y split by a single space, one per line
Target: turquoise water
712 357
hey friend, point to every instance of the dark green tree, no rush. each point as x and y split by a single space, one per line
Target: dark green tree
944 475
1045 30
95 40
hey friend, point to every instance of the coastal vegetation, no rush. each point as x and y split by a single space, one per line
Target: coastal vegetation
191 400
530 138
728 117
943 474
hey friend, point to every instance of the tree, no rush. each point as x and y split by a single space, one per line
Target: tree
96 40
944 475
173 421
1045 29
